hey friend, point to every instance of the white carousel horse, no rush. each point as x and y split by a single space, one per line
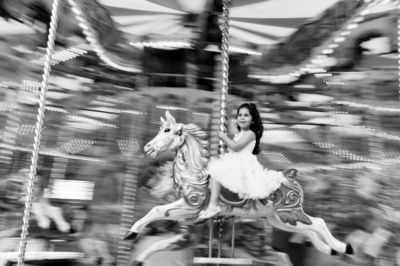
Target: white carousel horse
15 188
191 182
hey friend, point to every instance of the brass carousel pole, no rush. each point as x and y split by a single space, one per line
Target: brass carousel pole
225 71
224 91
38 132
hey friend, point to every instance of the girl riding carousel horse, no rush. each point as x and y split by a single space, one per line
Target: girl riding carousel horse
239 170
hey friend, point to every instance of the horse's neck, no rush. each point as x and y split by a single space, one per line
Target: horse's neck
184 171
183 162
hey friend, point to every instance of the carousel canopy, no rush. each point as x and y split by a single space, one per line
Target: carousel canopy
262 22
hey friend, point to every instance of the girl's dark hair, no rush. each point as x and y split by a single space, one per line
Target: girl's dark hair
256 125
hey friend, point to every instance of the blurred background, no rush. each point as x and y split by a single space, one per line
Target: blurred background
324 75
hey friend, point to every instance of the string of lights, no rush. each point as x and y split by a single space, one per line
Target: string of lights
92 39
128 147
60 56
161 44
321 54
77 145
275 156
52 152
171 108
367 106
90 121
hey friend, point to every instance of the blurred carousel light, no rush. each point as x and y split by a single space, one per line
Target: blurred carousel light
56 109
196 6
345 33
352 27
353 75
71 189
61 56
132 112
324 145
232 49
367 106
306 127
7 106
50 152
327 51
243 51
97 47
90 121
175 108
129 147
358 19
77 145
351 156
25 129
201 114
276 157
30 85
161 44
339 39
323 75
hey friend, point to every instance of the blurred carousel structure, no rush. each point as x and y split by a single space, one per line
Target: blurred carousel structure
326 81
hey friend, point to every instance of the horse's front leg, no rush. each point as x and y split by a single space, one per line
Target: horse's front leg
176 210
186 237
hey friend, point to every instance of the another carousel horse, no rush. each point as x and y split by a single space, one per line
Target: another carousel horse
13 196
191 183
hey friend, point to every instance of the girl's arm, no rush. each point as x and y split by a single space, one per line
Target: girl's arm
247 137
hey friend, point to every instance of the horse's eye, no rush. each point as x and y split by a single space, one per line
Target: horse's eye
179 133
166 130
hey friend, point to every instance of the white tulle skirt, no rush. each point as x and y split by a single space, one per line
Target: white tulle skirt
243 174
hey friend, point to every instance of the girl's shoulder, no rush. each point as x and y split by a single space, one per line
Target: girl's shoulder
249 133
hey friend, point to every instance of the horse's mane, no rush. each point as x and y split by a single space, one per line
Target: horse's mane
198 155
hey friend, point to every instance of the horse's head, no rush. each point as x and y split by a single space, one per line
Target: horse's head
170 137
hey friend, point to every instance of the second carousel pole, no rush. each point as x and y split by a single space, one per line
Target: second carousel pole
38 132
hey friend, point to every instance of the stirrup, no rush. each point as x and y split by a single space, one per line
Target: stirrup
209 212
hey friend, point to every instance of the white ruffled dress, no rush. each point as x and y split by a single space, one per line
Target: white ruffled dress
240 172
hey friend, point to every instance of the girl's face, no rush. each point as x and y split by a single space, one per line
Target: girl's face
244 119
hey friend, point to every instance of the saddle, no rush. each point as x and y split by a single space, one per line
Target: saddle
231 198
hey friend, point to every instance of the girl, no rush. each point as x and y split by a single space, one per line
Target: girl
239 170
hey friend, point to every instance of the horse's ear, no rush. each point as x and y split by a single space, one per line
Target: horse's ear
163 121
170 118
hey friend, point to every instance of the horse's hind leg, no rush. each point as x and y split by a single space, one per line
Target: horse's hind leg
311 235
318 226
186 237
323 231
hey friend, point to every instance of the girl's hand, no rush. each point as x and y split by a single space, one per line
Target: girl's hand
222 135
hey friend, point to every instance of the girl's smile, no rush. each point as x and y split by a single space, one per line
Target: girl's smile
244 119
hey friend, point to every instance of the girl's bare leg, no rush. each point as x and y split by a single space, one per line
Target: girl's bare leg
213 207
215 188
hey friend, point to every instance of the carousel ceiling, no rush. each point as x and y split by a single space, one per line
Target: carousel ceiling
291 113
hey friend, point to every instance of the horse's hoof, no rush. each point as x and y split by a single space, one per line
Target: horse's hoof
198 220
307 244
137 263
276 249
333 252
130 236
349 249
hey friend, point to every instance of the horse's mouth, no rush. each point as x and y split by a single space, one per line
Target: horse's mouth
152 153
